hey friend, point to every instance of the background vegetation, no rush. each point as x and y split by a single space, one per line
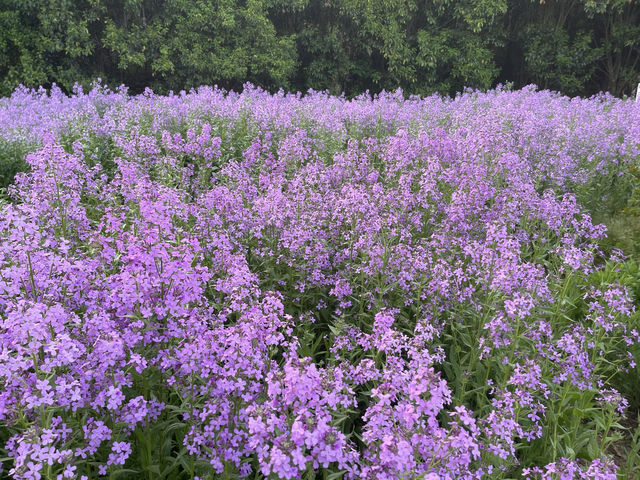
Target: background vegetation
578 47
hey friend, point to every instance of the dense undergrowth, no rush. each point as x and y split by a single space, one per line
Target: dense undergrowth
216 285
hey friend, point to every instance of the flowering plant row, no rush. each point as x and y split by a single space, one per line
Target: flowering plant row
216 285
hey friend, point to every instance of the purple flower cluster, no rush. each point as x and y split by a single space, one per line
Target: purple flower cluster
281 285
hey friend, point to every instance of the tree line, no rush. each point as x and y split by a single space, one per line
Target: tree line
578 47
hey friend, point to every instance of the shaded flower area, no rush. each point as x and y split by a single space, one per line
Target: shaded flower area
222 285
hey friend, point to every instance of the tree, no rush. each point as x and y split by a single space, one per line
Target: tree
180 44
42 42
353 45
617 23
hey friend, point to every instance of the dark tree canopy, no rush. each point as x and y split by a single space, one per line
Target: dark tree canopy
578 47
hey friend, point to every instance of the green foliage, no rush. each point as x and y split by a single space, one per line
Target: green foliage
631 466
188 44
353 45
555 60
11 162
46 42
578 48
338 45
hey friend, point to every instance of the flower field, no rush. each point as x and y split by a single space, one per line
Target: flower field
217 285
